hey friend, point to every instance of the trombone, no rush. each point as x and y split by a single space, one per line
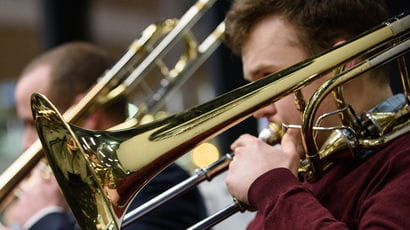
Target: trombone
272 136
124 77
100 171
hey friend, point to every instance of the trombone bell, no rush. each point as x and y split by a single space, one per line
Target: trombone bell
76 173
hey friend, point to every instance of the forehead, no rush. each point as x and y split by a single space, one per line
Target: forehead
272 42
36 80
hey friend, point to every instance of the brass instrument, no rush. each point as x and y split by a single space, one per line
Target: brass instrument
271 135
124 77
376 128
100 171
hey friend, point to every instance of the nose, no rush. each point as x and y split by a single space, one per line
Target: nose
266 111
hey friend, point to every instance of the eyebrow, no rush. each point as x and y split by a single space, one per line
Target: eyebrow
261 69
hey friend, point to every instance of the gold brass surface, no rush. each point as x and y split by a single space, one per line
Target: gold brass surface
371 131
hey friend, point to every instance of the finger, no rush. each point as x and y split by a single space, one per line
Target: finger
235 145
241 141
291 146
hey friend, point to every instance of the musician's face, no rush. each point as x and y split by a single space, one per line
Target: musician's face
35 80
272 46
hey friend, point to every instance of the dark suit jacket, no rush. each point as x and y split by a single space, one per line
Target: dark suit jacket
179 213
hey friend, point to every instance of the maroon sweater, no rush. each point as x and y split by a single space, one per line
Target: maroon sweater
374 194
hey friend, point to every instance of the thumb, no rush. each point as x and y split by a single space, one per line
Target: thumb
291 142
292 146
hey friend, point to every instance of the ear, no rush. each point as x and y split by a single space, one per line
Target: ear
338 42
97 120
78 98
349 64
94 121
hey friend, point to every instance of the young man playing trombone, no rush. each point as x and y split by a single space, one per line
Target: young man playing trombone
369 191
64 74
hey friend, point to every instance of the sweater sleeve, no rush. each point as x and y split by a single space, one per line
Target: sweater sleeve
282 201
383 203
369 195
386 201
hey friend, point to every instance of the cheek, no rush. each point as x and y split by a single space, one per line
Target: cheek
287 110
265 111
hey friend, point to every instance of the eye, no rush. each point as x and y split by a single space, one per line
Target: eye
262 75
267 73
262 72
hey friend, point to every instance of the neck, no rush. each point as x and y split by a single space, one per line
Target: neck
364 94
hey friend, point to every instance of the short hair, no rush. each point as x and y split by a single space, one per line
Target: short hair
318 22
74 68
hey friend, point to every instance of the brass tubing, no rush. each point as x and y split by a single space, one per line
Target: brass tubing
271 135
202 174
328 86
21 167
184 24
205 49
404 76
109 87
219 216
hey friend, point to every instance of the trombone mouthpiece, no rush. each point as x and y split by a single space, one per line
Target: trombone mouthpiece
271 135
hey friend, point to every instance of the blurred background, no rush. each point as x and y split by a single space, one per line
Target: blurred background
28 28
